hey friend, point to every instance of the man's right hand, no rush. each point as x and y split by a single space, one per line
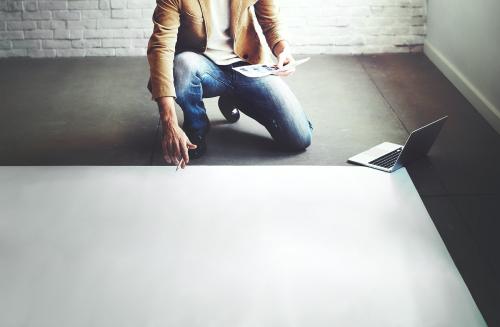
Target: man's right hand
175 143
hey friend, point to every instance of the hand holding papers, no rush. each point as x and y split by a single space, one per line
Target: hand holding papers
261 70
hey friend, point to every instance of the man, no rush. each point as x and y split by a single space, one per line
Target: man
191 53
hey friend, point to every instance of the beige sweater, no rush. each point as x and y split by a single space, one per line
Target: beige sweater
220 43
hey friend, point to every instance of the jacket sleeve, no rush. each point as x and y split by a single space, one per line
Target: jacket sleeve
267 13
161 48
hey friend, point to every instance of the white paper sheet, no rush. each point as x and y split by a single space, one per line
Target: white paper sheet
261 70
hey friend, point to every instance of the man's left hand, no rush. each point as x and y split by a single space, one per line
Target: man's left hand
283 52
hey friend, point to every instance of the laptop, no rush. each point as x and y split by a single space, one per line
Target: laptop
390 157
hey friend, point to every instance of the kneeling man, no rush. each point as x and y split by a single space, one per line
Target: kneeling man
191 53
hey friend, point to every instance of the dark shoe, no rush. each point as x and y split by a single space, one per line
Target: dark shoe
228 109
200 141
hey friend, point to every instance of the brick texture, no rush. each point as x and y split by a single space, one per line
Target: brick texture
66 28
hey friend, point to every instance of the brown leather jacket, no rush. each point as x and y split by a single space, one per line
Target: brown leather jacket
183 25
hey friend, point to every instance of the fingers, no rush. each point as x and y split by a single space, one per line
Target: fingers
185 155
170 153
176 152
185 151
286 72
285 64
176 149
282 60
164 147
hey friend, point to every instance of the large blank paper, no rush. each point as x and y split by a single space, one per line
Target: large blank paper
222 246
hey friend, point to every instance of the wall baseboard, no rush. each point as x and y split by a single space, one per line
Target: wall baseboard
485 107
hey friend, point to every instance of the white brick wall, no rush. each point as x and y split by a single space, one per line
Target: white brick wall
61 28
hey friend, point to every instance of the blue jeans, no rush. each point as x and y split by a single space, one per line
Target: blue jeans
268 99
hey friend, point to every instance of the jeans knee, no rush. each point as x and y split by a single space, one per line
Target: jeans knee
300 142
186 66
296 140
186 63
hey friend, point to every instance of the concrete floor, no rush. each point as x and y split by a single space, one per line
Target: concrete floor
97 111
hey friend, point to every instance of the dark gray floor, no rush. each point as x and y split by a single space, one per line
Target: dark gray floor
98 112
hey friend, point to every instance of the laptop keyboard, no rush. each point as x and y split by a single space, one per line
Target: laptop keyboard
387 160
